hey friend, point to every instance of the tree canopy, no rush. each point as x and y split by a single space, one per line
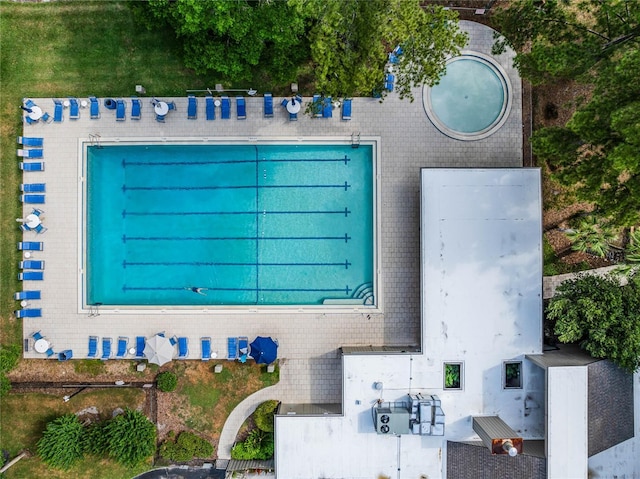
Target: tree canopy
602 316
598 151
61 444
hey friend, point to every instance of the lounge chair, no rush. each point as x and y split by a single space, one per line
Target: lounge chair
31 264
28 313
30 246
74 109
32 166
120 110
35 153
106 348
32 199
232 349
140 344
268 105
317 105
243 348
226 108
30 141
31 276
346 109
389 79
64 355
37 335
241 107
183 347
123 342
93 347
192 108
136 108
210 108
94 108
57 111
205 346
33 187
39 229
327 109
22 295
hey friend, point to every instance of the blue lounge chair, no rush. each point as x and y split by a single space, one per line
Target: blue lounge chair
136 108
64 355
327 110
93 347
32 166
32 199
57 111
268 105
20 295
35 153
33 187
40 229
232 349
106 348
226 108
31 264
243 348
31 276
183 347
241 107
140 344
317 105
28 313
346 109
123 341
210 108
205 344
30 246
37 335
120 110
94 108
30 141
74 109
192 108
389 79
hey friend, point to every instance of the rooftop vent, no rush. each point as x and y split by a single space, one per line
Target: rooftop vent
497 435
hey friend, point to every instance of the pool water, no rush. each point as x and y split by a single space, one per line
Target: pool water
250 225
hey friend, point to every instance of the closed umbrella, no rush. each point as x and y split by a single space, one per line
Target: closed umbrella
264 350
158 350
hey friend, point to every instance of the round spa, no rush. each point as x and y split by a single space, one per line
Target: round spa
472 100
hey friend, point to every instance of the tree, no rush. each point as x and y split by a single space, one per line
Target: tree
350 42
264 415
602 316
131 437
591 235
231 37
61 444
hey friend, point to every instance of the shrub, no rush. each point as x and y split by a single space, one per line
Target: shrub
187 446
61 444
259 445
131 437
167 381
263 415
95 439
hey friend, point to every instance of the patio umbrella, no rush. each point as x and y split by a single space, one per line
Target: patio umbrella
158 350
264 350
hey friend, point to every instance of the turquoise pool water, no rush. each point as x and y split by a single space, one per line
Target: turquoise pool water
254 225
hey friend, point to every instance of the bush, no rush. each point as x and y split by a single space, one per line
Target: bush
131 437
62 442
95 439
187 447
263 415
259 445
167 381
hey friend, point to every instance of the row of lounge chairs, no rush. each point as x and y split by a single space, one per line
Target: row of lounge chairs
33 273
123 347
31 149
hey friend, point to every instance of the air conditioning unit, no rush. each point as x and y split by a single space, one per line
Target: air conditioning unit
392 420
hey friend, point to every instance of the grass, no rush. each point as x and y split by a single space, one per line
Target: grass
92 367
22 431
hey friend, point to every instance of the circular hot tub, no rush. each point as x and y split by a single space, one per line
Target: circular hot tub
472 100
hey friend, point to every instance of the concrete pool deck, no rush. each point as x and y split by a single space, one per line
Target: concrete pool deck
309 342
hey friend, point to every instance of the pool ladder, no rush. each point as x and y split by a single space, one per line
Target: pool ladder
355 140
94 139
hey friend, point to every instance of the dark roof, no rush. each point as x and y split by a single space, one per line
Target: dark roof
474 461
610 406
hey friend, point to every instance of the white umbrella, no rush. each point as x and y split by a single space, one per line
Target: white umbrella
158 350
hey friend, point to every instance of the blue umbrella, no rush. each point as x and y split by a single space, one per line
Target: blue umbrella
264 350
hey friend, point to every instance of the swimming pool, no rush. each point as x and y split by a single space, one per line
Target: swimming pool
248 224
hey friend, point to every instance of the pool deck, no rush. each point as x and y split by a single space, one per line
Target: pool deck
309 342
